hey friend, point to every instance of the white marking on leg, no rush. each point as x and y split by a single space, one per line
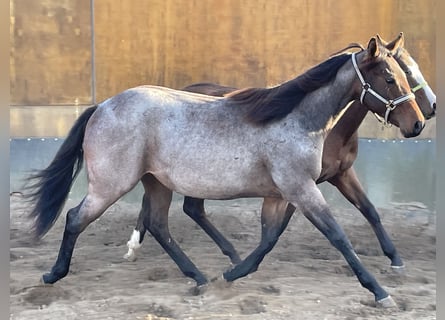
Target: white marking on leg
133 245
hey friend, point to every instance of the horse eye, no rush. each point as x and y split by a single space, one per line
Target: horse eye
390 80
408 72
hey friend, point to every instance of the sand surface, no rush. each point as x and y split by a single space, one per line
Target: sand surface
303 277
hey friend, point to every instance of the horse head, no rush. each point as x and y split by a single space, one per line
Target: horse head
425 97
384 87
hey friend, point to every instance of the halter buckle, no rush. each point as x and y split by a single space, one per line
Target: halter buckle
390 105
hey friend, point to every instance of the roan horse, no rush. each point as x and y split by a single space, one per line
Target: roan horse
245 145
339 152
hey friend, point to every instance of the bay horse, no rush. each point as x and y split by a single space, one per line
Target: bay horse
247 144
339 153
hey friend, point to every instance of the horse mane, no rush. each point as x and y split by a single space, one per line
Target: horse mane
263 105
353 45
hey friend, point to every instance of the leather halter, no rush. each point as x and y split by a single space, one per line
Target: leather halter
389 104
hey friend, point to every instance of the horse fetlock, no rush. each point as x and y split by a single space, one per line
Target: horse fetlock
134 242
133 245
396 262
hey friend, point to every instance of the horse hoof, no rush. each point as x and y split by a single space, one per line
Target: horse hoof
130 257
387 302
47 278
42 281
220 283
398 269
199 290
218 279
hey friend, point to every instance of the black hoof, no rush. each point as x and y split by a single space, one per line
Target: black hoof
48 278
199 290
230 275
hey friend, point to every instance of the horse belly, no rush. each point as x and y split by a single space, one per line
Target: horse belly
213 181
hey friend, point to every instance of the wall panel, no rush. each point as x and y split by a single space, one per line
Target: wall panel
50 61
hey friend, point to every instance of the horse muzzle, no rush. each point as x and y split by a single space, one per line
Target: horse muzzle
416 130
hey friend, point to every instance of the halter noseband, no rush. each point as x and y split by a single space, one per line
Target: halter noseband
419 86
389 104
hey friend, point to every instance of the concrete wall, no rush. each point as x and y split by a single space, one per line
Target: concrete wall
78 52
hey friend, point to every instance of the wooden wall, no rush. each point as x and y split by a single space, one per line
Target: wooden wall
50 61
83 51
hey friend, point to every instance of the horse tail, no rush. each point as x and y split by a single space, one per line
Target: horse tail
50 187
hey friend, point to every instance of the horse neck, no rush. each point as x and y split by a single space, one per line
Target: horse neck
320 109
349 122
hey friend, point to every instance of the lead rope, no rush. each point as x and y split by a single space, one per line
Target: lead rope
389 104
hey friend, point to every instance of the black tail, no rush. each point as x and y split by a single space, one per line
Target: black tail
50 187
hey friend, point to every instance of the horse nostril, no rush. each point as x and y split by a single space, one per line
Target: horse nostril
418 126
434 107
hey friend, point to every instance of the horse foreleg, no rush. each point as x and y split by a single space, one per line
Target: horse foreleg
194 208
275 216
348 184
135 242
158 199
314 207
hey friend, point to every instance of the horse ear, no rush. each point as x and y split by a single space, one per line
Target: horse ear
373 48
383 42
396 43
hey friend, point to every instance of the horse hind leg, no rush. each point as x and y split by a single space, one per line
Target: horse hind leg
137 236
349 185
103 190
78 218
158 199
194 208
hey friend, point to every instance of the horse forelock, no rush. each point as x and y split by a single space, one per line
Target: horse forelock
263 105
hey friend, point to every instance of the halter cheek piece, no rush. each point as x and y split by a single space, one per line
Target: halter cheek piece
389 104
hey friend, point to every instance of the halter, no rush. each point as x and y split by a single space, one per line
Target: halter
389 104
419 86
